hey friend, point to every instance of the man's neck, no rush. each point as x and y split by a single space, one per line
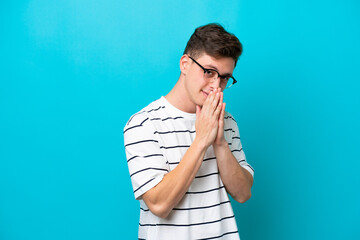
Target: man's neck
178 97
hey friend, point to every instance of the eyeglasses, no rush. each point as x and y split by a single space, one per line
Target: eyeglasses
211 75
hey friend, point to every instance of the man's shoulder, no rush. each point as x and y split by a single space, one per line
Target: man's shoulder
144 114
229 118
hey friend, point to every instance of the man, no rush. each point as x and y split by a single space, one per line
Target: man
184 152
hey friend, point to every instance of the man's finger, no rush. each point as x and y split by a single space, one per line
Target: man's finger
221 118
215 102
221 97
222 115
207 101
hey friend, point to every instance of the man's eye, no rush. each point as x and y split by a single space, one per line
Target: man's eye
225 79
209 73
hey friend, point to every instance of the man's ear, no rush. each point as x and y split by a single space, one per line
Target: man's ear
184 63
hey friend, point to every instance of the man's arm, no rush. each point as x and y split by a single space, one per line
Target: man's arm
162 198
237 180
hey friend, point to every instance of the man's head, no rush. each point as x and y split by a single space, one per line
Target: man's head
207 64
213 40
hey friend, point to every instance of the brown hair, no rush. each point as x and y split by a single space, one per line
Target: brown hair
215 41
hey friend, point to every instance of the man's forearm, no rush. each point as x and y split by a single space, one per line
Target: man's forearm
162 198
237 180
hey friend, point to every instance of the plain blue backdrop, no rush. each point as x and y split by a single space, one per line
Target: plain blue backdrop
72 73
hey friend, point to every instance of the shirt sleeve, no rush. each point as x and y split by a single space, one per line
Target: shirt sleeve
146 163
235 143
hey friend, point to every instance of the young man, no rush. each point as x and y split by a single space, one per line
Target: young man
184 152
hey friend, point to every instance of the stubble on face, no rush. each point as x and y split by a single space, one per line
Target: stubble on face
224 66
196 87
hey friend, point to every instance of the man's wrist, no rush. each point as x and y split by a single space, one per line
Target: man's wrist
221 145
201 145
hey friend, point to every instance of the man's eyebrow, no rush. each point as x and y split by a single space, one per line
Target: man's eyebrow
210 66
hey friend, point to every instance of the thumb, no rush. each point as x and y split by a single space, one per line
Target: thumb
198 110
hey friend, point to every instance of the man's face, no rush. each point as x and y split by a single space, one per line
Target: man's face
196 86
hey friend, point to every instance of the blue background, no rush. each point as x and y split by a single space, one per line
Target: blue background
73 72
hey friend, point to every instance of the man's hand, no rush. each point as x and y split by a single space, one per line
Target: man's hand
220 140
207 119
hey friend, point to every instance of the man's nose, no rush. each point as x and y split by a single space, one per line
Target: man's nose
215 83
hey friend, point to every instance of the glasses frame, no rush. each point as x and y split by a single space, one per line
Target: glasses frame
210 69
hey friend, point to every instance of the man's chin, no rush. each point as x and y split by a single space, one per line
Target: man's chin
200 103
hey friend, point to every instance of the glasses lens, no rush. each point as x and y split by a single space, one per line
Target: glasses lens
228 83
210 75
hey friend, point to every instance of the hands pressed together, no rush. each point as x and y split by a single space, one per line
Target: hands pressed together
210 119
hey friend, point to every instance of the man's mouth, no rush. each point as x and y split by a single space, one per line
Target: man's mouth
205 93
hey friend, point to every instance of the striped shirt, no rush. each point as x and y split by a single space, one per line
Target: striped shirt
156 139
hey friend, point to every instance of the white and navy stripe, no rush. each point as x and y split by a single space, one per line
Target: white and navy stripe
156 139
